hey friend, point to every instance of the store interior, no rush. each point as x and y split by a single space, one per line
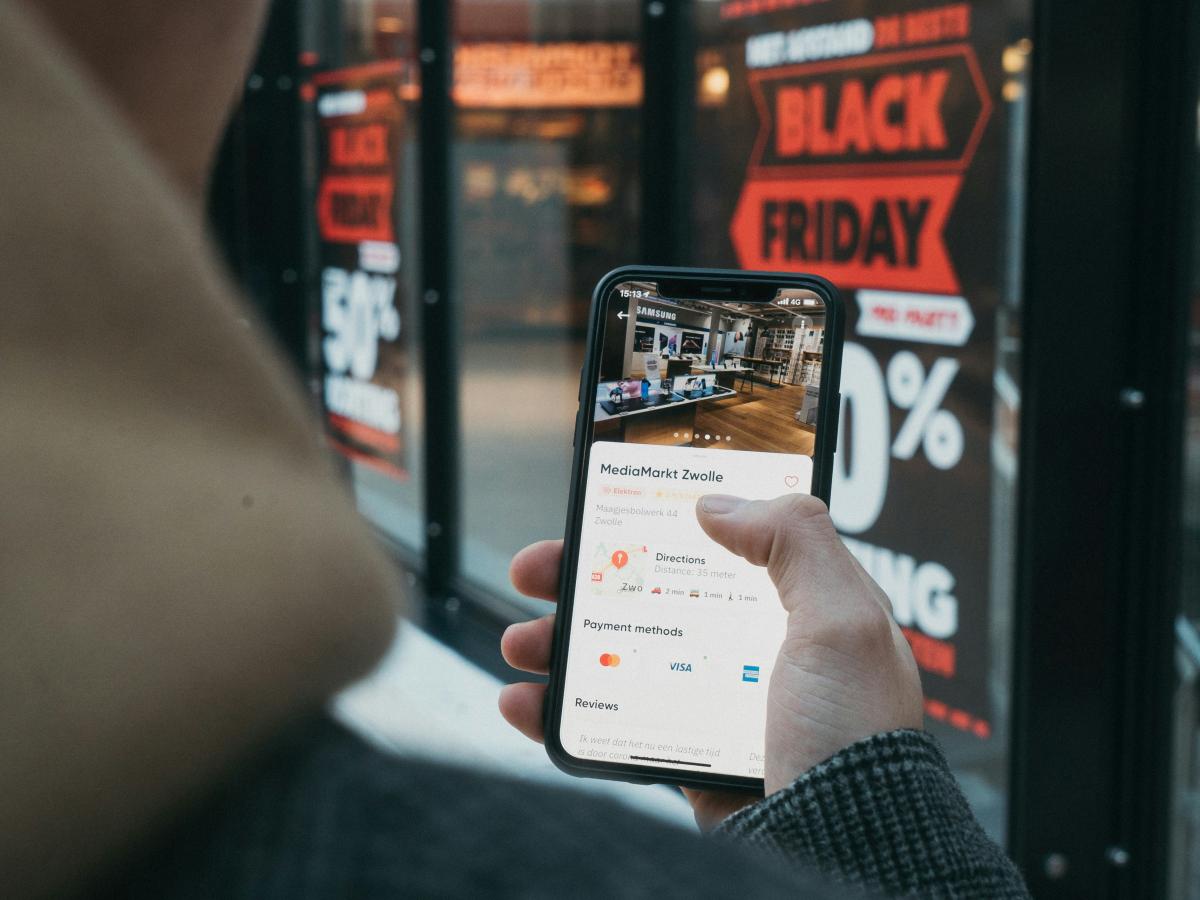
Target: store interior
722 375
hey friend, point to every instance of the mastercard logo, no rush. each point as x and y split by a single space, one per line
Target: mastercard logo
611 660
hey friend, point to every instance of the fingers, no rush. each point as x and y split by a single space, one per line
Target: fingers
711 808
521 706
791 535
526 645
534 570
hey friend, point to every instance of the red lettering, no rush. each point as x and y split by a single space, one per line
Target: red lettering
958 21
851 125
358 145
879 231
819 140
960 719
789 121
887 32
380 99
900 113
923 127
932 655
934 320
889 91
354 208
944 23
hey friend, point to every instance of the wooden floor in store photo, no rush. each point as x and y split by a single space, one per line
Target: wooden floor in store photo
764 420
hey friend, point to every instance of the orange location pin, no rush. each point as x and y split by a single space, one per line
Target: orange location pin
620 558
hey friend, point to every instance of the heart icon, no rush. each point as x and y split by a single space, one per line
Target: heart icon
791 480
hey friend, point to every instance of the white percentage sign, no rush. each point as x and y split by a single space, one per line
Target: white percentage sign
926 424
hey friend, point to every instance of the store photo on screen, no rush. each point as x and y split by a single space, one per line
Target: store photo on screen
722 374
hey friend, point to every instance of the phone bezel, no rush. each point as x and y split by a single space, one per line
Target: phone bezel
823 450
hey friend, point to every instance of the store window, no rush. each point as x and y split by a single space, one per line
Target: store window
882 144
546 140
361 97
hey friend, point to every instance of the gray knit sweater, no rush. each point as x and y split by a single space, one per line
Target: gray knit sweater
325 816
886 813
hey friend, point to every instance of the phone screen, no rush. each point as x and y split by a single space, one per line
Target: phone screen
672 638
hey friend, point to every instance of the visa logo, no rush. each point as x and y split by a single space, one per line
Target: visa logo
681 667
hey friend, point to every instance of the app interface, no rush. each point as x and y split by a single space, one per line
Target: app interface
673 638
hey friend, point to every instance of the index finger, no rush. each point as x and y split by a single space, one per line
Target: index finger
534 570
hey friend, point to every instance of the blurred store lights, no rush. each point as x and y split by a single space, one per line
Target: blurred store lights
558 74
527 75
714 86
1016 56
1015 60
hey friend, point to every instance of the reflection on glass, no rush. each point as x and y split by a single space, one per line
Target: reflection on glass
546 149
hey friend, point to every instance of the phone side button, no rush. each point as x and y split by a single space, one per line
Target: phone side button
575 430
837 418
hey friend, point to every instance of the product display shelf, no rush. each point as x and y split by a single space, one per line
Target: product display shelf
780 347
804 366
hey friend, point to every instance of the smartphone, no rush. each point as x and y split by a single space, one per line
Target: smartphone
664 641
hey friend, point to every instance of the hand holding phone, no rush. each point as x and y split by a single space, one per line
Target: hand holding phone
844 670
666 640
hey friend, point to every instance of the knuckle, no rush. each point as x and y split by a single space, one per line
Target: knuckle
805 517
800 522
805 507
863 632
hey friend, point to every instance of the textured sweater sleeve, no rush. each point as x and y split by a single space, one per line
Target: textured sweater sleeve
885 814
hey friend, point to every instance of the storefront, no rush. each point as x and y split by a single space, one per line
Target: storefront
1002 190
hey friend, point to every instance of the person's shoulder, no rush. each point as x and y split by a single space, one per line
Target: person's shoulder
327 815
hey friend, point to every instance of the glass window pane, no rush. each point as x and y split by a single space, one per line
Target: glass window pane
547 105
882 146
1184 872
361 130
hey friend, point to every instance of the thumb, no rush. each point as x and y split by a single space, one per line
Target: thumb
791 535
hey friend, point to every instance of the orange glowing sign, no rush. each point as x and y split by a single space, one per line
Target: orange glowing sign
566 74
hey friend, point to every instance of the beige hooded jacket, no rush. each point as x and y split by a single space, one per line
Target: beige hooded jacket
180 572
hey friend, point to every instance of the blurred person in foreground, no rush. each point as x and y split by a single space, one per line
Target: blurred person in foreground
183 582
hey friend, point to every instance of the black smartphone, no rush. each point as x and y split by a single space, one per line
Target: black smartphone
696 381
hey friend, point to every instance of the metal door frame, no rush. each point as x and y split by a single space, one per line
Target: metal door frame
1108 223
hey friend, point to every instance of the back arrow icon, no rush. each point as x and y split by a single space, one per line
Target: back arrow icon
622 315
